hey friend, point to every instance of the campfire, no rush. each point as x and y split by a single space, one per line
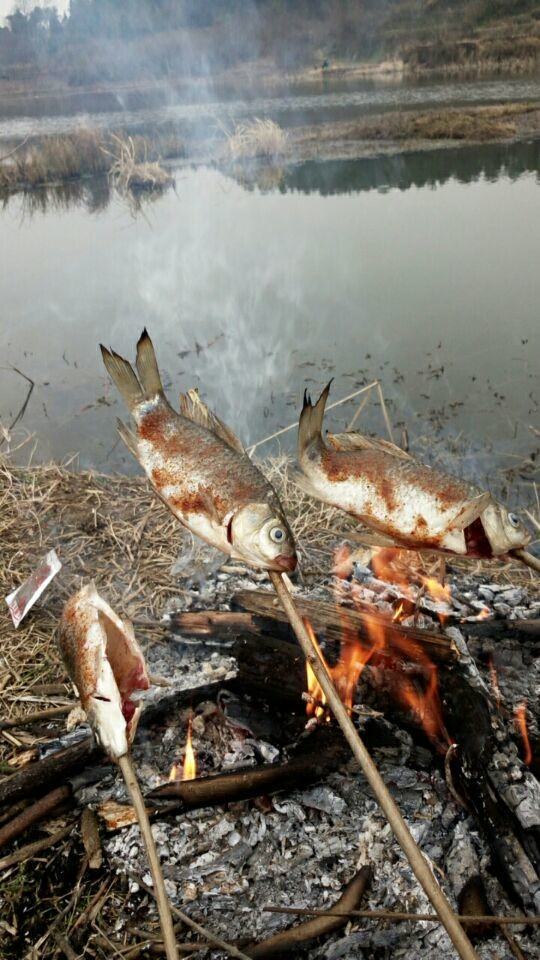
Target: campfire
255 800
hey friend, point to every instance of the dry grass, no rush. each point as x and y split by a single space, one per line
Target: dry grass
132 160
498 122
257 139
129 171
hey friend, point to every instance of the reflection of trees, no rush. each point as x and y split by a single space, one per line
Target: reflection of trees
402 171
92 195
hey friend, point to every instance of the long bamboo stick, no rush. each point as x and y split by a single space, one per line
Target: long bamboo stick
162 900
528 559
402 833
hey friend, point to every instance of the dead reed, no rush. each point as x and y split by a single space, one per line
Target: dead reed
131 160
257 139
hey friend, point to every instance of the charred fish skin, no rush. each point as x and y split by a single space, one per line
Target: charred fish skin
199 468
405 501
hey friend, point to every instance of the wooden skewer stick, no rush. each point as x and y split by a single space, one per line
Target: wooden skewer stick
528 559
402 833
162 900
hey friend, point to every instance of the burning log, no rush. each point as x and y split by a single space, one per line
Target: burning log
254 781
499 790
332 620
322 926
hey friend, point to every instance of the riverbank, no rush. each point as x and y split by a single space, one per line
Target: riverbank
42 161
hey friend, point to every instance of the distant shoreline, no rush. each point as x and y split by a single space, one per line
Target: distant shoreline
56 159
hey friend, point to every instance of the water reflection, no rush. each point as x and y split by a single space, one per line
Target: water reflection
402 171
418 270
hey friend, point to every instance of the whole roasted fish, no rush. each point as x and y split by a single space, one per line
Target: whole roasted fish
404 501
105 662
199 468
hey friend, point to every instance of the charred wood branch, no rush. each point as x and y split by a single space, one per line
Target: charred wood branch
287 941
503 629
34 814
254 781
498 788
41 775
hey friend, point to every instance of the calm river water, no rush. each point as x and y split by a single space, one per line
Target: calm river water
421 270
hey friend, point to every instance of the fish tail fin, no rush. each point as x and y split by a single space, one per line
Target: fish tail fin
147 367
123 375
311 421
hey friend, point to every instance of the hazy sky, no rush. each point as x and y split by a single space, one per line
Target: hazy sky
7 6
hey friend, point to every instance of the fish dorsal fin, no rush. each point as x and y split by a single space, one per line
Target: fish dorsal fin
357 441
192 407
470 511
370 538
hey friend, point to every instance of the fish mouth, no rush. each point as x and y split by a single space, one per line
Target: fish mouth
285 562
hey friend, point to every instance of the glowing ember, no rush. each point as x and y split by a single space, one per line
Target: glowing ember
189 769
388 564
343 563
520 717
495 684
438 590
483 615
398 615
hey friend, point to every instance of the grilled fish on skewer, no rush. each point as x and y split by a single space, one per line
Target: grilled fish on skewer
403 501
199 468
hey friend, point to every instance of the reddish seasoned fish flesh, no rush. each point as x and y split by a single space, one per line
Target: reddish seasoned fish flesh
404 501
105 662
199 468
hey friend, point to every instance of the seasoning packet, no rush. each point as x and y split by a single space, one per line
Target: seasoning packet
24 597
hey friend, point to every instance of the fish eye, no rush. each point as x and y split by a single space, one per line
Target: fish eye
514 520
277 534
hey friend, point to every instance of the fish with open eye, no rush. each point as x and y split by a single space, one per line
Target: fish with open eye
199 468
404 502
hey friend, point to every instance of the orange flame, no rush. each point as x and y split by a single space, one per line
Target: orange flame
189 769
387 564
422 699
440 592
520 717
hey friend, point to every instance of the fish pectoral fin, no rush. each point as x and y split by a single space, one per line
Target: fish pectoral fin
192 407
470 511
357 441
128 437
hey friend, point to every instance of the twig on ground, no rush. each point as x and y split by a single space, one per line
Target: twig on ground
288 940
33 814
37 717
26 853
402 833
397 916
